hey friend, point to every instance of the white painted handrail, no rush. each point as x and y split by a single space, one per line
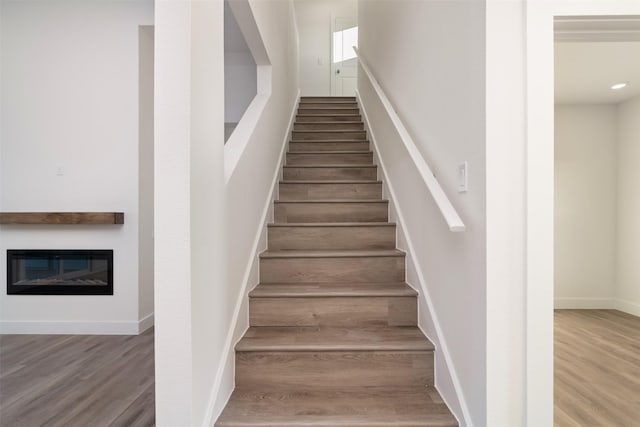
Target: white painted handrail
442 201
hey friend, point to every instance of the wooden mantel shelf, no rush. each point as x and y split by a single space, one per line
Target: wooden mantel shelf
61 217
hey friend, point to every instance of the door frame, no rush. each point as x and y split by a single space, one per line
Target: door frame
539 190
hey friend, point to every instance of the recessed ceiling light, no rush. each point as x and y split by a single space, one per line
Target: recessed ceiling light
618 86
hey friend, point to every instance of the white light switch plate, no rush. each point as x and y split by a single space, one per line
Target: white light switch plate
463 174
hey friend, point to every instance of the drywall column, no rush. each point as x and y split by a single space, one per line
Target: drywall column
505 181
627 291
209 288
189 115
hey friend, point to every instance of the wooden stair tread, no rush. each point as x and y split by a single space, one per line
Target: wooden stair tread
303 115
332 100
332 254
332 152
326 97
318 142
357 122
319 290
334 201
330 131
328 107
332 224
348 407
333 181
329 166
333 338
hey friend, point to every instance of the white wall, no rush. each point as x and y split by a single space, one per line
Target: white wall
585 205
628 237
253 160
189 218
70 101
440 98
240 77
314 26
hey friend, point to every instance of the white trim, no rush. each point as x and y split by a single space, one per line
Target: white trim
442 201
583 303
423 286
145 323
597 304
71 328
597 28
627 306
229 346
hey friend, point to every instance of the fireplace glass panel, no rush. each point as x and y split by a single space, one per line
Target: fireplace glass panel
67 272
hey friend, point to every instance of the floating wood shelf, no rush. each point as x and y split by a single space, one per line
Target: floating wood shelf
61 217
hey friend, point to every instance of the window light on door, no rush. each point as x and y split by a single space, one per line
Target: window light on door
348 38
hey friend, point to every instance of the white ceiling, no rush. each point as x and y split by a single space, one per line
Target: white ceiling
585 71
593 53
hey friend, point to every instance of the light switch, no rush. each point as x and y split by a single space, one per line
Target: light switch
462 177
59 171
320 61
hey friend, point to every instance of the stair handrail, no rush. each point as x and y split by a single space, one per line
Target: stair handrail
442 201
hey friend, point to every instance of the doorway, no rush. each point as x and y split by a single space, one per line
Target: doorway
596 129
539 212
344 63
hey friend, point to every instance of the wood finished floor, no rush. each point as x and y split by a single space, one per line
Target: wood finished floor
77 380
59 380
597 369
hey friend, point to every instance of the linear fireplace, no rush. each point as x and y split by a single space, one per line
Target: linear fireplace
59 272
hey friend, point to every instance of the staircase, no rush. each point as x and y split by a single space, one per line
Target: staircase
333 338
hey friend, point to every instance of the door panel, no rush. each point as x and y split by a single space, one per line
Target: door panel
344 64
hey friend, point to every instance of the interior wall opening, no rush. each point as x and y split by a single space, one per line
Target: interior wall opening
240 73
597 217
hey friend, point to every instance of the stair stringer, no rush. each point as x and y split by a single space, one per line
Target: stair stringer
225 374
445 373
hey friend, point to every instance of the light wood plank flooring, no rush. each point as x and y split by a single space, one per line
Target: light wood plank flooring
597 368
77 380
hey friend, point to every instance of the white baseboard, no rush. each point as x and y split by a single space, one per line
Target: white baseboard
584 303
145 323
627 306
75 328
597 304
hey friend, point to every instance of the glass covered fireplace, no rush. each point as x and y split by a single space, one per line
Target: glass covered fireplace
60 272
